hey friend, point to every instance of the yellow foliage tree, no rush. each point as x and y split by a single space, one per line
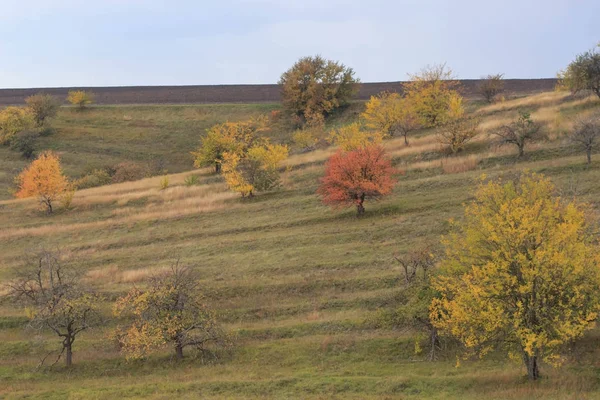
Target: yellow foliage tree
521 273
80 98
433 92
257 171
12 121
228 137
389 113
171 311
352 137
44 179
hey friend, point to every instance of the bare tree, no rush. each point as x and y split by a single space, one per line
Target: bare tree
456 134
58 301
586 133
491 86
518 132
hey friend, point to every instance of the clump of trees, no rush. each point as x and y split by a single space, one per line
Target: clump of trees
586 134
315 87
42 107
519 132
56 299
391 114
171 311
583 73
491 86
44 179
521 273
80 98
355 176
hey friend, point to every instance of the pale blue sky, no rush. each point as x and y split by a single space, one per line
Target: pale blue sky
48 43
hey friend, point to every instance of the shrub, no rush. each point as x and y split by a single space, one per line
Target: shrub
47 131
305 139
352 137
25 142
583 73
491 86
164 182
586 134
518 132
129 171
457 133
80 98
97 177
314 87
191 180
12 121
42 107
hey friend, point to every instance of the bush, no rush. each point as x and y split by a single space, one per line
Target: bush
129 171
191 180
12 121
164 182
491 86
47 131
42 106
456 134
80 98
97 177
583 73
24 142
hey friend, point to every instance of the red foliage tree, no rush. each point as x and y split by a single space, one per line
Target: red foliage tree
352 177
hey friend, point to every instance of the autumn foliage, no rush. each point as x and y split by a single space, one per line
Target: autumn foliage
44 179
521 274
80 98
352 177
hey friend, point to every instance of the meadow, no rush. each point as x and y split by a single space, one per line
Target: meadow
299 285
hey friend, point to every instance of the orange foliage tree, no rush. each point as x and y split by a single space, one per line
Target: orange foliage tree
352 177
44 179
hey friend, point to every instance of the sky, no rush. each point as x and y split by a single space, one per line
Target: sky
57 43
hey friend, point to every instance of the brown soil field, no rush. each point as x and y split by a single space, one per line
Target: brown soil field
239 93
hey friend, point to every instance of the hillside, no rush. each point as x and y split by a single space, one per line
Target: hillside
299 284
241 93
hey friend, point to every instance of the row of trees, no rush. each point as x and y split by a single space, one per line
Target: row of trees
170 312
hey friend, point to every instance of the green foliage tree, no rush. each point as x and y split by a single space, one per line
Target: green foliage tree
314 87
42 106
56 298
519 132
171 311
25 142
583 73
521 273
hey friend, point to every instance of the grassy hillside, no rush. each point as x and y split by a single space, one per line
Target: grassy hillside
299 284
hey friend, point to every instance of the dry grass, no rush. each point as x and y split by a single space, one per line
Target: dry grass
454 165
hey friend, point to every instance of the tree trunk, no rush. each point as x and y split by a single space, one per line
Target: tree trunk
49 204
406 139
217 167
589 155
360 208
521 151
434 341
533 371
179 351
69 349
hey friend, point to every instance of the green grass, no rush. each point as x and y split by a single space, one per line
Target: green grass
297 284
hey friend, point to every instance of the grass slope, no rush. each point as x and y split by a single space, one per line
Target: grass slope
297 283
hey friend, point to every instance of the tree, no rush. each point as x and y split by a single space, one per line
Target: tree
521 273
170 312
434 95
457 133
43 179
25 142
389 113
583 73
352 177
314 87
50 286
586 133
351 137
228 137
80 98
491 86
257 171
42 106
12 121
518 132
